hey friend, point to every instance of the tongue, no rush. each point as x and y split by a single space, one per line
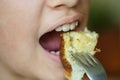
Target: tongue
51 41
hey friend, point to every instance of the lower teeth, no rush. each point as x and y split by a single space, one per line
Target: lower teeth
55 52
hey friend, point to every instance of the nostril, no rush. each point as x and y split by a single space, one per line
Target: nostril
59 6
69 3
62 3
54 3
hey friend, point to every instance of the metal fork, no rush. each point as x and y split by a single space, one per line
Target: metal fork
92 67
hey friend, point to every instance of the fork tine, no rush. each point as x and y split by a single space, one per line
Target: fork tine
79 60
92 58
83 59
86 59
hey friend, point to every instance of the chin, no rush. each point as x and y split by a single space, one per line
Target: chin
56 73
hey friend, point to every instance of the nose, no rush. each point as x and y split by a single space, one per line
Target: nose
59 3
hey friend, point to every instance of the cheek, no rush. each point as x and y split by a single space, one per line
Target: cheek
18 23
16 47
19 31
14 42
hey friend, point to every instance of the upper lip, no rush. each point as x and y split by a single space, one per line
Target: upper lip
68 19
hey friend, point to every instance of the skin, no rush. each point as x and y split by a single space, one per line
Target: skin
22 23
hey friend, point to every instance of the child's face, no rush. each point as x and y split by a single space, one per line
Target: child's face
24 47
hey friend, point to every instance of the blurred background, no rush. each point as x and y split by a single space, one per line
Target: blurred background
104 18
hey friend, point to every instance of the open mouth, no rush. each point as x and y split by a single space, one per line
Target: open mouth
51 41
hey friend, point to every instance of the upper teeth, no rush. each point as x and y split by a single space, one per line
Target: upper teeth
67 27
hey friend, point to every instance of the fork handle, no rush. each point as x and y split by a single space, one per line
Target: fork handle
101 76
